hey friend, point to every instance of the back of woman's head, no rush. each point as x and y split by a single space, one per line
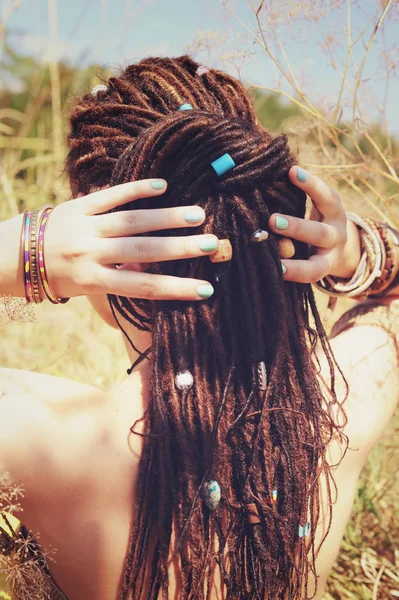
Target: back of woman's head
264 445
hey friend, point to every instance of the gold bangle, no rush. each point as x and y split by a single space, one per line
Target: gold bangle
33 257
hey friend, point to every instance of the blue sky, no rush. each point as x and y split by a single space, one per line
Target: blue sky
117 32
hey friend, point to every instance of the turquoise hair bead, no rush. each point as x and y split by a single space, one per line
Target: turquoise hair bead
223 164
301 531
186 107
307 529
212 494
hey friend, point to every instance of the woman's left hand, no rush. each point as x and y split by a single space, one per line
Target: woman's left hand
334 240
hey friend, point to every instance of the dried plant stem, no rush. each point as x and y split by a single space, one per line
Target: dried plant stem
55 87
338 144
367 50
8 192
377 209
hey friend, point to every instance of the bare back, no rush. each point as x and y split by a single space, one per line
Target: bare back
70 446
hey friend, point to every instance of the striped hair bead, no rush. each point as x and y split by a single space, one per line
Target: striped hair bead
304 531
262 376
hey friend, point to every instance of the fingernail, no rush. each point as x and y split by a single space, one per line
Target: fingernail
284 269
205 291
193 216
158 184
209 244
302 175
281 223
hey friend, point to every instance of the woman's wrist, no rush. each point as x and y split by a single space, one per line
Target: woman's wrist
11 270
352 253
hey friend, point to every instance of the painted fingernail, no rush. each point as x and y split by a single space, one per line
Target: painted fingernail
205 290
158 184
209 244
193 216
302 175
281 223
284 269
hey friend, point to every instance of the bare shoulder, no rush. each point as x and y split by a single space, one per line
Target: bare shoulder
37 411
367 357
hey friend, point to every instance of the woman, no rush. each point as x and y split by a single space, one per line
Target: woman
209 472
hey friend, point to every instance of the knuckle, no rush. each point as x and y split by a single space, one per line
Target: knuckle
329 236
336 197
314 276
146 289
131 220
143 249
185 246
70 250
89 281
336 200
184 291
342 236
173 217
295 227
308 273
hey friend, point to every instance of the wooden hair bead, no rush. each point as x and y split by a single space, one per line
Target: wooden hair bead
253 515
286 248
224 252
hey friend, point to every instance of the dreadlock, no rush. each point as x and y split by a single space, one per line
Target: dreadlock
253 442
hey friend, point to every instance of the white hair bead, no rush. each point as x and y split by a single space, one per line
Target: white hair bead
99 88
259 236
184 380
201 70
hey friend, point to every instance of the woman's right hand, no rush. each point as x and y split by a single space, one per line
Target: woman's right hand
83 243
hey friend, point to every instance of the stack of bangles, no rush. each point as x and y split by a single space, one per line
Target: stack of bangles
377 272
378 267
35 276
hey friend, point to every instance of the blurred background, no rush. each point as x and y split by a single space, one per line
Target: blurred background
324 72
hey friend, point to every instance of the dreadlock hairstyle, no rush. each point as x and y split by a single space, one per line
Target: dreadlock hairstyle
253 442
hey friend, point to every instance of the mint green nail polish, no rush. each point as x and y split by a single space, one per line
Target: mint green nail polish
209 244
284 269
302 175
281 223
205 291
193 216
158 184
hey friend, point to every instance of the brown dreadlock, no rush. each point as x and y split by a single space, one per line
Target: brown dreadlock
251 441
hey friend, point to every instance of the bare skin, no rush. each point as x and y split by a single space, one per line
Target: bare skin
70 446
